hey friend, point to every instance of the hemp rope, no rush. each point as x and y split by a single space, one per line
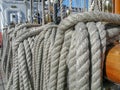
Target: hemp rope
62 66
45 56
61 9
43 12
23 69
71 64
67 56
10 44
82 56
39 59
95 56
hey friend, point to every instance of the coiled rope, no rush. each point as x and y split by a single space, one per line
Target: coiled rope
67 56
61 9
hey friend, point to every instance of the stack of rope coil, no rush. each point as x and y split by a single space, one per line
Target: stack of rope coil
67 56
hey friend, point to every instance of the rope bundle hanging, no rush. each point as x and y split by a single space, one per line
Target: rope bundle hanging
63 57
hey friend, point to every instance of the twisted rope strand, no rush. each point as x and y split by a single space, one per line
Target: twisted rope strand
45 54
71 64
82 57
63 57
23 69
55 59
61 9
96 56
38 64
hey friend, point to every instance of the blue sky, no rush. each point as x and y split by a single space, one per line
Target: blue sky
76 3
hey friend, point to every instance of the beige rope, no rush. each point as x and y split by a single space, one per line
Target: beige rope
63 58
67 56
43 12
71 64
61 9
82 57
96 61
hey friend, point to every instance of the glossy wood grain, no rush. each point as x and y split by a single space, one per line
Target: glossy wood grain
117 6
112 64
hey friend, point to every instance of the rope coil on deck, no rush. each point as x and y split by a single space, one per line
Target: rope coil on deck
67 56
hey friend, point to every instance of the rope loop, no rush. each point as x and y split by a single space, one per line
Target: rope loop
67 56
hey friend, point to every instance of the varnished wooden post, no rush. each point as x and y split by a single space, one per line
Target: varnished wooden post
117 6
112 64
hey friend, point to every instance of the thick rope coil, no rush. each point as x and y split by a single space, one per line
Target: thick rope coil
39 65
52 40
67 56
23 69
72 19
61 9
16 46
96 56
39 53
15 62
82 57
4 56
15 69
26 25
55 59
63 58
31 43
20 78
28 56
45 56
15 65
102 36
9 83
36 66
71 64
28 59
46 76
